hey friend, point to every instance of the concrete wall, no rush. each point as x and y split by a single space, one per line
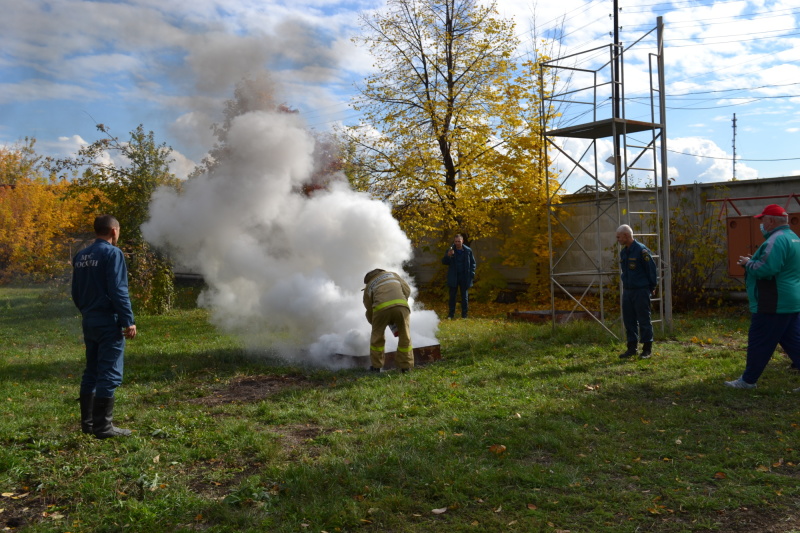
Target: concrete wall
592 223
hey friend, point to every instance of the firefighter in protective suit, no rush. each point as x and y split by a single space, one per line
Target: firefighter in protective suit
386 300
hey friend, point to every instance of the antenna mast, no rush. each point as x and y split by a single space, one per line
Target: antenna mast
734 147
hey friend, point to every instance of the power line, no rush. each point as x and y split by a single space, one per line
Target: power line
737 159
727 42
770 86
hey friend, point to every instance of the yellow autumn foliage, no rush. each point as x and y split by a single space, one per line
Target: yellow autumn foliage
451 129
38 225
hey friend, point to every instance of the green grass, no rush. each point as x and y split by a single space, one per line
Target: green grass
226 442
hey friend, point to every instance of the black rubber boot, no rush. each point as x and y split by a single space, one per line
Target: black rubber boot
102 420
647 350
630 352
86 401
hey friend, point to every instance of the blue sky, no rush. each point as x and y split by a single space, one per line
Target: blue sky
170 64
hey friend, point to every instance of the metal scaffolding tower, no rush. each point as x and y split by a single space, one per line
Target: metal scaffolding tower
583 254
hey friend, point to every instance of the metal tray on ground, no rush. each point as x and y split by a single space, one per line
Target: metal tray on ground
422 356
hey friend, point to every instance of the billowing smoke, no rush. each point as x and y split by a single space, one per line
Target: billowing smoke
284 270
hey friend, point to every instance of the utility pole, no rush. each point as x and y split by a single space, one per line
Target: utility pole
734 147
616 97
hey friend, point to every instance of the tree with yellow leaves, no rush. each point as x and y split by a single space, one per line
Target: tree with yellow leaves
450 131
38 219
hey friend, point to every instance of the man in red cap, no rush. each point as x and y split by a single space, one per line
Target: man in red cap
772 277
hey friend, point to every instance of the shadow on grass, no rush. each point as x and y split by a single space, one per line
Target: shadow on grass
149 367
22 310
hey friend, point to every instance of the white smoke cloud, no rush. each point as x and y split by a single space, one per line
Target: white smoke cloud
284 270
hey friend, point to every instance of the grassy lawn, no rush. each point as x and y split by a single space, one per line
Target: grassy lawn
518 428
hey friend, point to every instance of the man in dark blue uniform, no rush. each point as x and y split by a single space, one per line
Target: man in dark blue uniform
460 273
639 282
100 292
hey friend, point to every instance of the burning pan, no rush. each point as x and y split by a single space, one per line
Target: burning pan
422 356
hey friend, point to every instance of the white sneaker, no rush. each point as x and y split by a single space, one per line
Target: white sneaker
740 384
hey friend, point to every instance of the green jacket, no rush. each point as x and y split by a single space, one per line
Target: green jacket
773 274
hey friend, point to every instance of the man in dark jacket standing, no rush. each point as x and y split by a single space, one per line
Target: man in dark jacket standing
639 282
772 277
100 292
460 273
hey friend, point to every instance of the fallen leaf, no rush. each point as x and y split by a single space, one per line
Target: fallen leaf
720 475
439 511
511 523
7 494
157 458
497 448
20 496
498 509
762 468
532 506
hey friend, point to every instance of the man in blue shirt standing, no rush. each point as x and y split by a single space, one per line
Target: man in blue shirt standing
460 273
100 292
639 283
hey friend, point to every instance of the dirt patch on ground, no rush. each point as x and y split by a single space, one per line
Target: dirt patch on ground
248 389
302 434
18 510
761 520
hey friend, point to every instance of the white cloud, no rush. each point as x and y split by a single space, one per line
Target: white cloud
38 89
182 165
64 146
163 60
701 160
